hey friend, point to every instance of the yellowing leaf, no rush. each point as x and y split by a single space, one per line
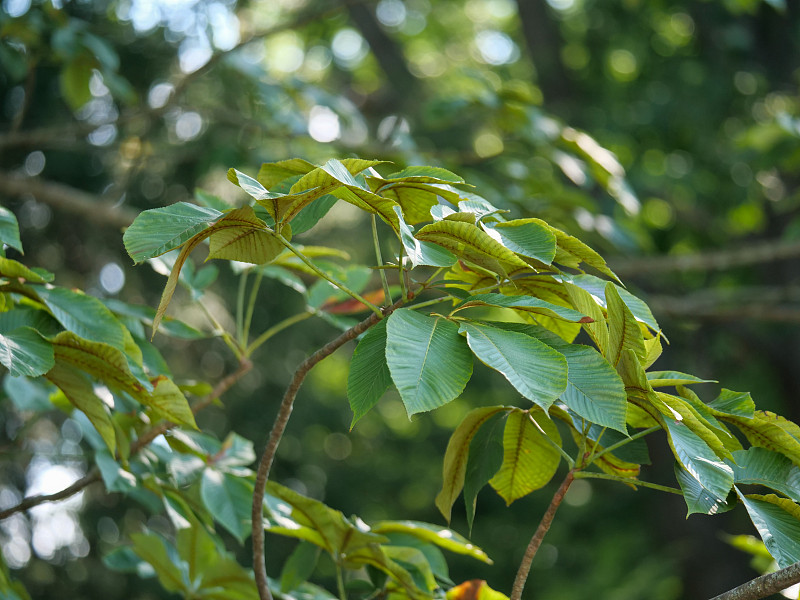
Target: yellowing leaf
242 236
529 460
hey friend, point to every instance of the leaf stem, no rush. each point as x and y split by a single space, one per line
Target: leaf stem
387 295
339 576
277 328
327 277
628 481
400 276
240 307
251 305
220 330
635 436
538 536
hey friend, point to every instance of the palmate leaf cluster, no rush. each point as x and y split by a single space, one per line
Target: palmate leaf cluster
517 297
467 283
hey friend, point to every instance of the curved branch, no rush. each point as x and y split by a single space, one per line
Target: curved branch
64 197
31 501
764 586
538 536
94 475
278 427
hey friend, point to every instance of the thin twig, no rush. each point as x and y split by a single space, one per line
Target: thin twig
278 427
538 536
764 586
31 501
94 475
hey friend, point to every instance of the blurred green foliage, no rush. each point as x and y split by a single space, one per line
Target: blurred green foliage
697 101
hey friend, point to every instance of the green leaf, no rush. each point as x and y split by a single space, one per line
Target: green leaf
9 230
759 466
11 269
700 461
526 237
534 369
670 378
698 499
525 304
425 174
197 548
422 253
312 214
23 351
157 231
295 515
623 329
377 556
28 394
79 392
441 536
456 456
739 404
271 174
637 306
429 361
768 430
778 523
172 572
587 304
174 274
571 252
485 459
99 360
529 459
299 566
594 389
242 236
169 402
472 244
415 562
228 498
254 188
369 375
85 316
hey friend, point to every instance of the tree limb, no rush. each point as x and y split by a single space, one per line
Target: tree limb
764 586
777 304
714 260
67 198
278 427
538 536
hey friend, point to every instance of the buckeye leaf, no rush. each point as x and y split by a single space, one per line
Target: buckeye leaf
526 304
526 237
471 243
670 378
595 390
369 375
434 534
759 466
698 499
271 174
700 461
596 286
456 456
228 498
778 523
157 231
12 269
485 459
9 230
242 236
79 392
85 316
623 329
529 459
536 370
422 253
168 401
429 361
24 352
172 572
739 404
